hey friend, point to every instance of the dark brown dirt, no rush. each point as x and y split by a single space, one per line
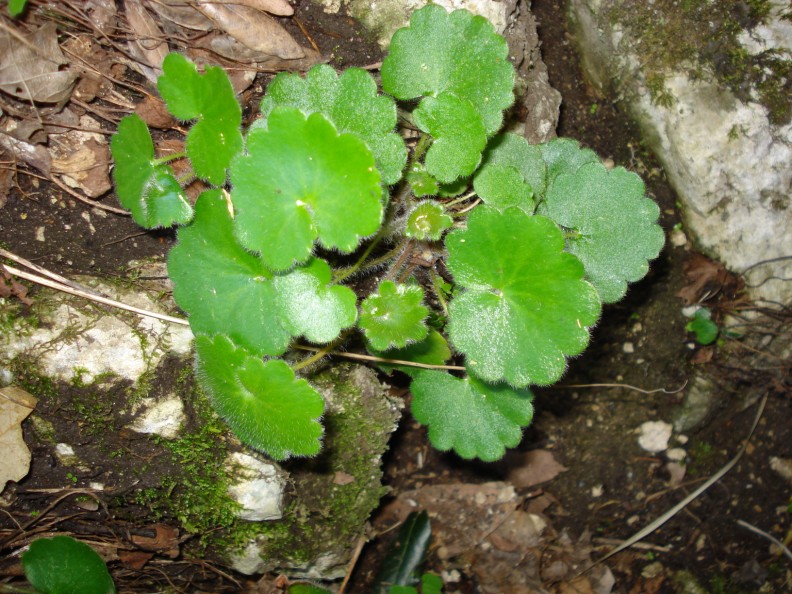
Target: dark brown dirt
611 489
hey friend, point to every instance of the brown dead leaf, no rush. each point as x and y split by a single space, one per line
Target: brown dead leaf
134 559
15 405
149 45
181 13
164 541
579 585
706 279
31 154
154 112
253 28
30 66
532 468
9 286
276 7
82 159
343 478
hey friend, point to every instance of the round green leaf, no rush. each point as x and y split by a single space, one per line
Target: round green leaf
63 565
511 151
458 132
393 316
209 97
263 403
421 182
300 181
455 52
351 103
427 221
149 191
615 223
475 419
228 290
525 306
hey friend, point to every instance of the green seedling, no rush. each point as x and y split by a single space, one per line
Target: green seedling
703 328
63 565
465 249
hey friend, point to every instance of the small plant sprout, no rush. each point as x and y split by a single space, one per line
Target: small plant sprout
462 248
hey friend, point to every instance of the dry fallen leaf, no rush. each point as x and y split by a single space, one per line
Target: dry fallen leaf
277 7
15 406
82 158
30 66
183 14
534 467
148 45
254 29
31 154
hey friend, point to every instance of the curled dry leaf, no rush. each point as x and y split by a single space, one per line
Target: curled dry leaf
31 154
83 159
15 406
181 13
277 7
254 29
30 66
148 45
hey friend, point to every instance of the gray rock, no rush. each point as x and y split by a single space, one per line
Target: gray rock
163 417
699 402
257 487
729 164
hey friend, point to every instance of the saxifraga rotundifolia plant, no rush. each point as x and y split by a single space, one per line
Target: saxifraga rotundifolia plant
479 251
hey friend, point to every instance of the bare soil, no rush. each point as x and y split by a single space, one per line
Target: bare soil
610 488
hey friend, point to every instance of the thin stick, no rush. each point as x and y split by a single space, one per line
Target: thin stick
646 531
87 200
628 386
352 563
769 537
56 277
104 300
361 357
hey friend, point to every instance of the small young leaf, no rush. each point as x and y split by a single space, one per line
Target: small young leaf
475 419
525 177
16 7
149 191
263 403
431 584
393 316
703 327
209 97
616 225
564 155
403 561
351 103
228 290
427 221
63 565
421 182
525 305
455 52
432 350
300 180
458 132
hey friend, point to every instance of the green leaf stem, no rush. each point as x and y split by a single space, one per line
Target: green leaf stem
350 101
455 52
301 181
525 306
475 419
265 405
216 137
615 224
144 187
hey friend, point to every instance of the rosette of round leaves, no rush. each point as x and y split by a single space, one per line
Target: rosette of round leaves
615 225
225 289
512 171
265 405
144 186
525 306
458 133
475 419
427 221
393 316
209 98
458 53
350 101
301 181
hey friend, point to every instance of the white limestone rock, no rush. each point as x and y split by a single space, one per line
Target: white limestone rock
258 487
163 417
653 436
729 164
